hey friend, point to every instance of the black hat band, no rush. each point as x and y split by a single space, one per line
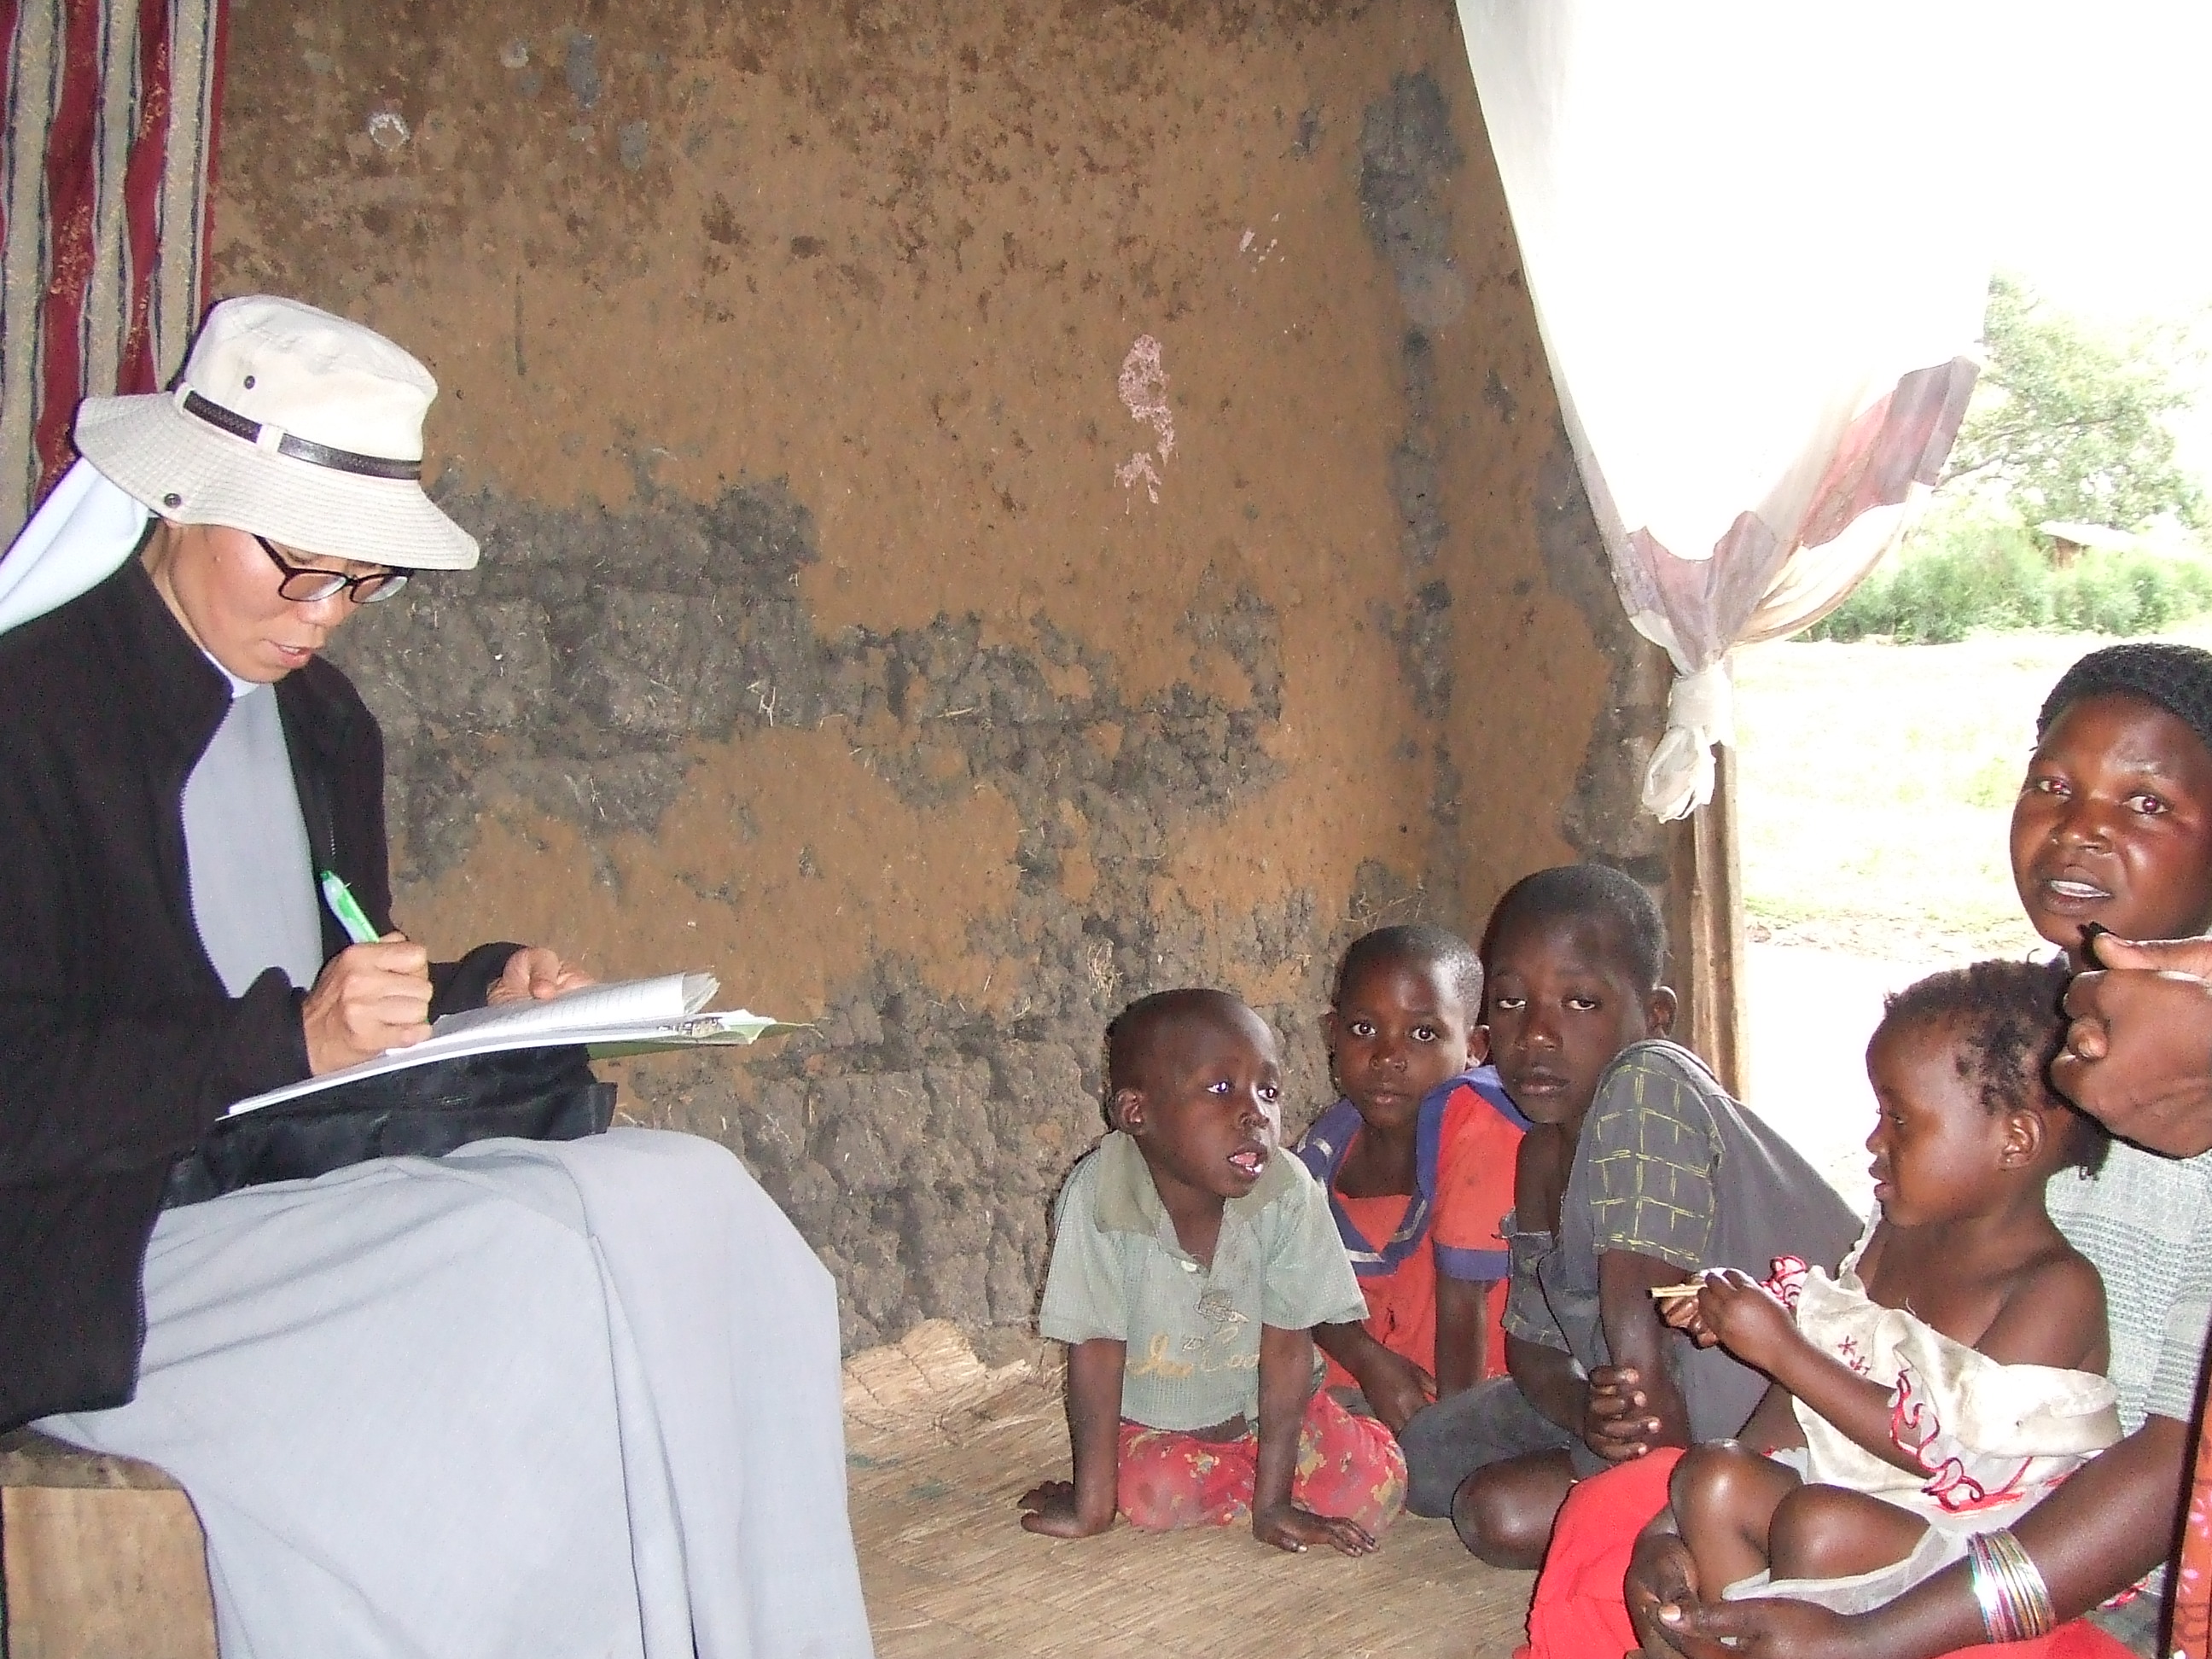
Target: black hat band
302 449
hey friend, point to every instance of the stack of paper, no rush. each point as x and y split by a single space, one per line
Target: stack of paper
635 1017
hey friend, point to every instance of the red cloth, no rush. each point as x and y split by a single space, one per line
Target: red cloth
1401 1307
112 257
1474 1195
2192 1580
1579 1612
1348 1467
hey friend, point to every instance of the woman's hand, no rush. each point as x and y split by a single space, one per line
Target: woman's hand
1770 1628
535 974
367 998
1744 1317
2138 1055
1660 1573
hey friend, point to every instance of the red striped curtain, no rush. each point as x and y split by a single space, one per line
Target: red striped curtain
105 184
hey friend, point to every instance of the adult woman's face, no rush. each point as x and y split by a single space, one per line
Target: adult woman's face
2113 824
222 588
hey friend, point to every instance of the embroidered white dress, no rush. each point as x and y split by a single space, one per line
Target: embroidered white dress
1990 1439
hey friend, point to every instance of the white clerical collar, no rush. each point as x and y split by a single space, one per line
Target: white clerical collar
238 688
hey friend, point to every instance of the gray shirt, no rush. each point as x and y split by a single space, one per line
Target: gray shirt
2145 1223
1668 1166
246 849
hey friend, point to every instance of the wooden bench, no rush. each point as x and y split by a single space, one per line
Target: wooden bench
100 1557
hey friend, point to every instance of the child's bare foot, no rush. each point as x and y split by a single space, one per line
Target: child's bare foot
1287 1527
1049 1507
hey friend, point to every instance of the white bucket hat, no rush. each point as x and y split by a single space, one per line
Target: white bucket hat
290 423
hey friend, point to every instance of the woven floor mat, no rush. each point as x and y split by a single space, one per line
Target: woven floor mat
940 1444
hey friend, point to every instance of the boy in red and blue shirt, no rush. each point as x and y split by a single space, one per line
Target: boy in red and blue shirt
1417 1162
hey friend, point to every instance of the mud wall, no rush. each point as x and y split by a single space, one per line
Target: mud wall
988 511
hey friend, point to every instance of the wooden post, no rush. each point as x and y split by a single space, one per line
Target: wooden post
1706 919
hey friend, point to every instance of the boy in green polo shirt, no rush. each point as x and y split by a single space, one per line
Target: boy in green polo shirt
1191 1261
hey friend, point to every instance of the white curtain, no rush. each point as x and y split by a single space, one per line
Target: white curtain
1748 231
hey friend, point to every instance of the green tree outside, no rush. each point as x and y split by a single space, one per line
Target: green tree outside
2071 425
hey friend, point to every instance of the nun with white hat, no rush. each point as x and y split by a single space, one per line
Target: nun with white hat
529 1398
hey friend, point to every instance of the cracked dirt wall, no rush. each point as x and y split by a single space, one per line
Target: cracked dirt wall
988 511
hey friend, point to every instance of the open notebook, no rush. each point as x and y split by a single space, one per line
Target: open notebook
634 1017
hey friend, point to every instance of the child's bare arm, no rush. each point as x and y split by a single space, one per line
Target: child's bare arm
1462 1332
1547 1377
1395 1385
1636 1337
1773 1422
1747 1319
1079 1508
2054 1317
1286 1385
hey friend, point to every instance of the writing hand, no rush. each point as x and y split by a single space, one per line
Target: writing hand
368 998
1614 1422
2138 1055
1049 1507
535 973
1287 1527
1745 1318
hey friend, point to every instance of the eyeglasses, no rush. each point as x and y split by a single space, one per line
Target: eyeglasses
303 585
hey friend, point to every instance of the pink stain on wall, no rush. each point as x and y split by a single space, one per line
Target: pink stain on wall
1144 384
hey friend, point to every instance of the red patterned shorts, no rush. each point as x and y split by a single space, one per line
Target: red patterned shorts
1348 1468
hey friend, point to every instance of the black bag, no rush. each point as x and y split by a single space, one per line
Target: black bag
537 1094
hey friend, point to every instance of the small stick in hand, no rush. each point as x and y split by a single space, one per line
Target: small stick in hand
1676 1292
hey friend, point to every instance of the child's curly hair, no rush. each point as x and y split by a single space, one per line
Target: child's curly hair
2007 1017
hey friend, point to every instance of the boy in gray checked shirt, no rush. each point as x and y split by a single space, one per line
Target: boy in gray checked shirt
1191 1260
1640 1170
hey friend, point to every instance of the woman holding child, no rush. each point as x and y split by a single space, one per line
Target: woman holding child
2112 831
1951 1373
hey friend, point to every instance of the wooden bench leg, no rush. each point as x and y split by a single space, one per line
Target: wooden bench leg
94 1573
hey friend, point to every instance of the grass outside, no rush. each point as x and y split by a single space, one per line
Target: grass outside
1876 786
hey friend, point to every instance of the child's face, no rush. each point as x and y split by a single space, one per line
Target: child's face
1936 1148
1204 1115
1561 1004
1398 1031
2114 824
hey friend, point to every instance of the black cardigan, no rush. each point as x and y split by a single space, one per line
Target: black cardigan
119 1044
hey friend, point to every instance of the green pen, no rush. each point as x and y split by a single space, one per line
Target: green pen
347 908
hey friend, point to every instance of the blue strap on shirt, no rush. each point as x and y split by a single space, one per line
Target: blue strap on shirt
1322 1150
